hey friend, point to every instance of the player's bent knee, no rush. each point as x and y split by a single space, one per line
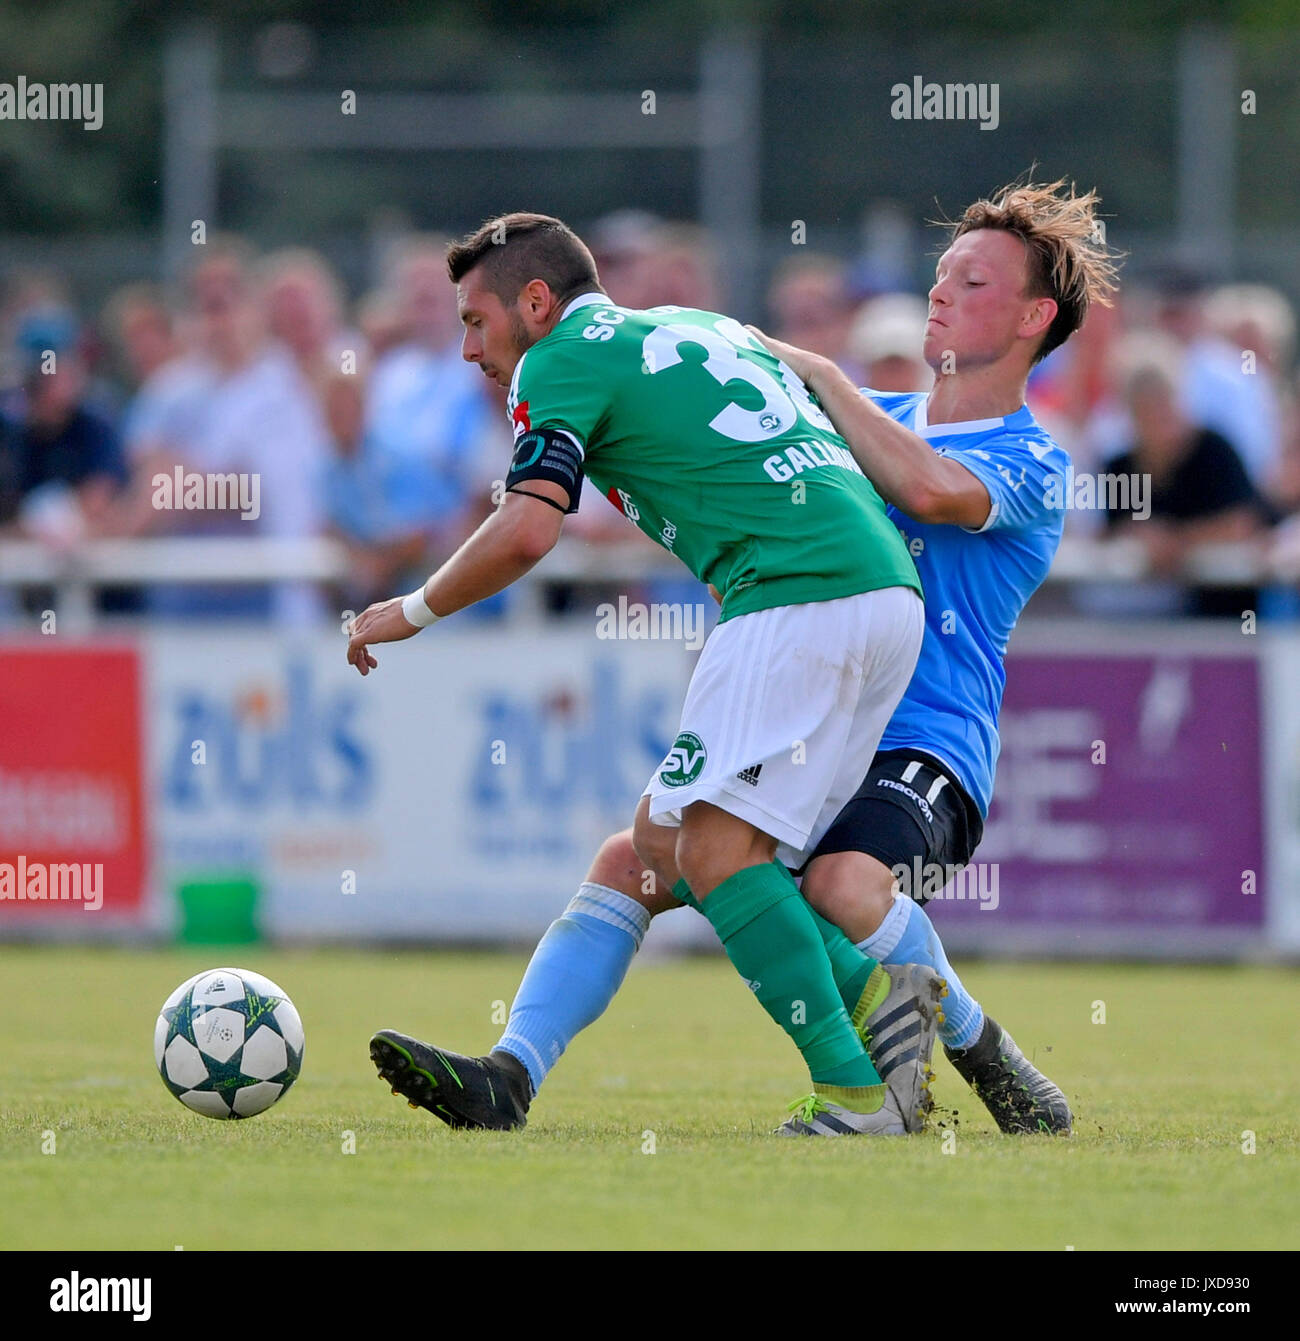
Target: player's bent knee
714 844
704 867
617 866
850 889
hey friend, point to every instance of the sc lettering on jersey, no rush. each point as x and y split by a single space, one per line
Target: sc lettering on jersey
605 319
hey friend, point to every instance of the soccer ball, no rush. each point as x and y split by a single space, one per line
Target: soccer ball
228 1043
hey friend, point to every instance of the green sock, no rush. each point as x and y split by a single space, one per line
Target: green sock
767 929
862 981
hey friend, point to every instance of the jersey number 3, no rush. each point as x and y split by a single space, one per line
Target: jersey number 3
726 346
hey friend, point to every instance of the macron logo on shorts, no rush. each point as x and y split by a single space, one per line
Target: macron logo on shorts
908 774
907 791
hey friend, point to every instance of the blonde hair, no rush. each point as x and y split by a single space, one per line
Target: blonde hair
1068 259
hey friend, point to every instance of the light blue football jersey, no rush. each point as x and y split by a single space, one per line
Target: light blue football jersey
976 584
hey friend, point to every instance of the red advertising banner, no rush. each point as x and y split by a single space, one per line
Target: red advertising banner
72 811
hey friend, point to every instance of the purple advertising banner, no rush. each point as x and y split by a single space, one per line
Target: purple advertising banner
1127 807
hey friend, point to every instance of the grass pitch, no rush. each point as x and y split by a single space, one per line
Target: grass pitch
653 1132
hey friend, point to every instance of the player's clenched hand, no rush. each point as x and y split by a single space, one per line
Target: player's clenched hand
383 622
802 362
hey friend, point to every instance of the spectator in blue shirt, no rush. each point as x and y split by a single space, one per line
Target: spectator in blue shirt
64 458
61 463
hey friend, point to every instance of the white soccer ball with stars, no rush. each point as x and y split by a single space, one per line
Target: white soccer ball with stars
228 1043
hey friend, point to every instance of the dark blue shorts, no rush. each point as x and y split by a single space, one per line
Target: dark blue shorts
910 807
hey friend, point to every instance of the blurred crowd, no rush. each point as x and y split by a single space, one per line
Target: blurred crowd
363 424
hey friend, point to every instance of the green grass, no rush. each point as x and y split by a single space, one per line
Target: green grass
1187 1060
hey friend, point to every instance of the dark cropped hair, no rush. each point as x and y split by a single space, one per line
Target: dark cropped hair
516 248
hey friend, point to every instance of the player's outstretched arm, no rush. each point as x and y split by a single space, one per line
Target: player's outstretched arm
904 468
518 535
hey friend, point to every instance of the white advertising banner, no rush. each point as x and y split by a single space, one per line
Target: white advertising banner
457 792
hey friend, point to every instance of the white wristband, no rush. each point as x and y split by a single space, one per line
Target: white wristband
417 611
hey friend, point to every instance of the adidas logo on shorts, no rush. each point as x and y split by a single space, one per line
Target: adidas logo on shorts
750 775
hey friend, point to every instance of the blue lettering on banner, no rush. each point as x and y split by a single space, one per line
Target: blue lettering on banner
565 753
303 751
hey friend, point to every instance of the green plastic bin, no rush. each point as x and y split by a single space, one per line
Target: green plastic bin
219 910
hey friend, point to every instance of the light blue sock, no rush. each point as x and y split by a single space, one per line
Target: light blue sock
574 972
907 936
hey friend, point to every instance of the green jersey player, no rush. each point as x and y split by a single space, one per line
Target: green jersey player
712 446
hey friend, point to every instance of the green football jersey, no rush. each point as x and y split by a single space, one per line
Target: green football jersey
715 449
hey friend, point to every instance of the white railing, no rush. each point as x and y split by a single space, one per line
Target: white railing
76 573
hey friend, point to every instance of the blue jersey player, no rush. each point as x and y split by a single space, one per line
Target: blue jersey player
967 472
1027 256
920 810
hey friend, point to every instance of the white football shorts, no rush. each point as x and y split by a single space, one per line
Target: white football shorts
785 710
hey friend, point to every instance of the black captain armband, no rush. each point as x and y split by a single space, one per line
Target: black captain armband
547 454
